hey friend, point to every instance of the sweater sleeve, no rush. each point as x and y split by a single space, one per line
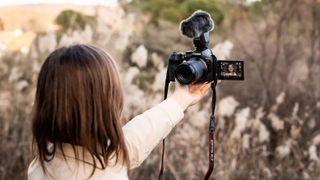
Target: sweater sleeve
144 132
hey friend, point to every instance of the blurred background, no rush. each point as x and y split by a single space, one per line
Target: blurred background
268 126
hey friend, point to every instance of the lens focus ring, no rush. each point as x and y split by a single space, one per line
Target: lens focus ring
191 71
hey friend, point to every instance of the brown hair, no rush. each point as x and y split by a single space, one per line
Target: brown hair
79 101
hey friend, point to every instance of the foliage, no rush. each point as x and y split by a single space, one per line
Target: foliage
255 8
176 10
69 19
267 126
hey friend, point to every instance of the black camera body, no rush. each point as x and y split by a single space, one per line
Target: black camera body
193 66
201 65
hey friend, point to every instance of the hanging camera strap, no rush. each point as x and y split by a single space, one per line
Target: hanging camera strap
166 87
211 133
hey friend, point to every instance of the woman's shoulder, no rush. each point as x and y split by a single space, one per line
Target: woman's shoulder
70 168
34 170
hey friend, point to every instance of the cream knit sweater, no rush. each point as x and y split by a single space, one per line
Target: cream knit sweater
142 134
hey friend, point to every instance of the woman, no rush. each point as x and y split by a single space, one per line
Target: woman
230 70
76 122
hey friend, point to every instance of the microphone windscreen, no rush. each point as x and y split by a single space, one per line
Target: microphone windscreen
200 22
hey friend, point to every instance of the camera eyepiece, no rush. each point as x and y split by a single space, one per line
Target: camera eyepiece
191 71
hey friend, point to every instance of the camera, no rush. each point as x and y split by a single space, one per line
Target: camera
201 65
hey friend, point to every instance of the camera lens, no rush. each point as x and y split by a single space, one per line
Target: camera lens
190 71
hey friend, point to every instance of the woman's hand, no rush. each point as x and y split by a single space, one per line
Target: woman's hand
188 95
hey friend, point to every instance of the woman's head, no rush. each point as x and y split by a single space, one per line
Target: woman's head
79 101
230 68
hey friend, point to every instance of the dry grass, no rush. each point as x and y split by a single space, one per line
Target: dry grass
253 140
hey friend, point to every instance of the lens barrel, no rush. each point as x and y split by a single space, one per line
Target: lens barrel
191 71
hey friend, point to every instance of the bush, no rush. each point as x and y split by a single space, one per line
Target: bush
176 10
70 19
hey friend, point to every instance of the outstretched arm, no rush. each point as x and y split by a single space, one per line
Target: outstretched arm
144 132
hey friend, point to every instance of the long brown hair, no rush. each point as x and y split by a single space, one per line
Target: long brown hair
79 101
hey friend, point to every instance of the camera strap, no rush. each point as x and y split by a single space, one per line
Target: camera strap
166 87
211 133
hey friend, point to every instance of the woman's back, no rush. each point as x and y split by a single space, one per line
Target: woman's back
76 120
72 169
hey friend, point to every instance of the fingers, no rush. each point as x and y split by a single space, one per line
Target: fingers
187 95
218 81
205 88
202 87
